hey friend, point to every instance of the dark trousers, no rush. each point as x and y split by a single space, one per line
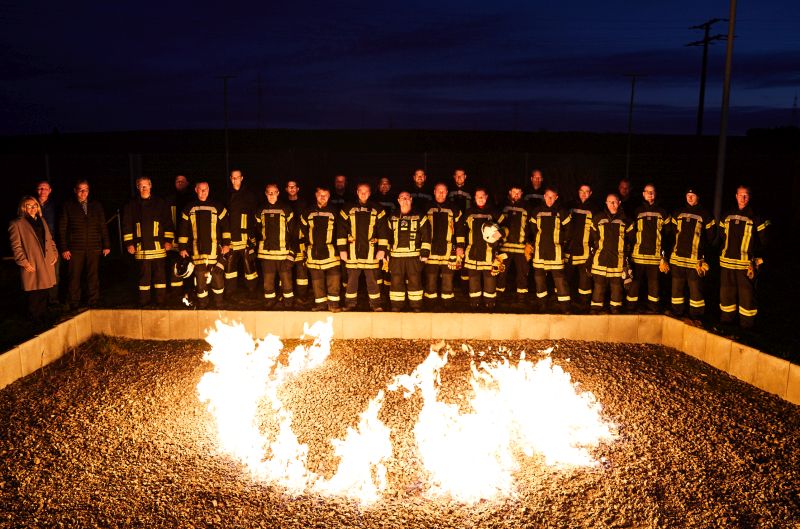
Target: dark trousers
482 284
580 281
52 292
326 285
559 280
601 285
37 304
270 269
406 279
642 273
232 270
734 285
301 279
152 275
205 276
521 267
84 262
680 277
175 283
370 278
433 272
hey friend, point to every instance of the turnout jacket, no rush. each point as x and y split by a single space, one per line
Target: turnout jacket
387 201
517 216
275 227
242 206
409 234
478 254
693 228
533 196
147 225
581 215
743 237
204 228
462 196
421 196
609 243
318 235
361 232
177 201
646 230
298 206
443 218
549 236
79 231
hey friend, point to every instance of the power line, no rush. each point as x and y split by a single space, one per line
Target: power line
707 39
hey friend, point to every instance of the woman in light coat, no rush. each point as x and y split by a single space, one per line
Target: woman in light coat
35 253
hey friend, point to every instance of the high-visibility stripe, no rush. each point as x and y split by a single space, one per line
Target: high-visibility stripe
697 304
727 308
746 312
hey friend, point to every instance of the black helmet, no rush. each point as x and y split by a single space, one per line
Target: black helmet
183 267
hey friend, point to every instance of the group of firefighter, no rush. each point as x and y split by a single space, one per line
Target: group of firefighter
416 247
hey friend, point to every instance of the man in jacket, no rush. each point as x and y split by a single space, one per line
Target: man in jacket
646 231
83 237
275 227
318 233
242 204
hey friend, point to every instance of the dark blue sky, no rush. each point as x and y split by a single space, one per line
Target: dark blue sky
415 64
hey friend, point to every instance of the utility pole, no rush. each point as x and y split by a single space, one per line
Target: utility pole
633 77
706 27
225 94
259 121
723 127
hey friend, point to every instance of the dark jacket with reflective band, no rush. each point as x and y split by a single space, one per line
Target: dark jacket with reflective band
549 234
409 234
388 201
478 254
361 232
647 230
204 228
147 225
693 229
534 197
318 235
516 222
298 206
421 196
276 232
581 216
242 205
609 243
443 219
177 201
461 196
743 237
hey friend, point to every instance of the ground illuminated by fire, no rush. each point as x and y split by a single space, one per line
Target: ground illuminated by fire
519 405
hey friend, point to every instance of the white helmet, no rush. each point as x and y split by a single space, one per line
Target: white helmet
490 232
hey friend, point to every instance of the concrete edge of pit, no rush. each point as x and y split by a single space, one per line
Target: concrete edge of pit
768 373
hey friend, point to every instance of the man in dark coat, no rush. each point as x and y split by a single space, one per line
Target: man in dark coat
83 237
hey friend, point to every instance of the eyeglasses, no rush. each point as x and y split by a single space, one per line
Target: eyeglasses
31 206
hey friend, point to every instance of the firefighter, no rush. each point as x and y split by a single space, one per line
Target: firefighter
646 231
534 192
298 205
318 233
177 201
409 246
341 192
517 215
480 237
387 199
693 228
275 227
609 245
148 233
204 231
443 216
549 233
579 277
420 190
461 192
361 240
242 205
743 239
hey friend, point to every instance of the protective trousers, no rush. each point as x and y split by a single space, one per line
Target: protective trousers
640 273
680 277
326 285
370 278
406 278
283 270
206 275
580 281
489 290
301 279
152 272
521 268
232 270
601 285
735 284
432 274
560 282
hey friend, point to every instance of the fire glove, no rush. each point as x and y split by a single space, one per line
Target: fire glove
663 266
499 265
702 268
752 268
456 264
528 251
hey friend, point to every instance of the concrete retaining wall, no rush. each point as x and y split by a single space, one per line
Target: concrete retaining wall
763 371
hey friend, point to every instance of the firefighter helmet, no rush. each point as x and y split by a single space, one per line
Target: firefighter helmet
183 267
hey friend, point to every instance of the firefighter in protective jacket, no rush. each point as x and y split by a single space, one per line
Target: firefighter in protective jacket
579 276
646 230
275 236
318 237
549 235
443 216
409 245
242 205
480 237
610 253
517 216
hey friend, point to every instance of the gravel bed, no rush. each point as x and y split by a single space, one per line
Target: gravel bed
114 436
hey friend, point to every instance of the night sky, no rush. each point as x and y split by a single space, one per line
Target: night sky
428 65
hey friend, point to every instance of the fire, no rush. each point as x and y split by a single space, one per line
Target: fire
525 408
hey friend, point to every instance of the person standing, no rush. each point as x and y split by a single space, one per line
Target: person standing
743 238
242 205
205 232
443 217
609 243
517 215
50 216
409 245
421 192
181 196
647 229
83 235
36 254
534 192
298 205
581 214
275 227
148 234
461 192
318 232
549 239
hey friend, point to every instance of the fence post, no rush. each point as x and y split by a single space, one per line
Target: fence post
119 233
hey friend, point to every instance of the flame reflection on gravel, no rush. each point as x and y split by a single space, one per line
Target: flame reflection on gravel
528 408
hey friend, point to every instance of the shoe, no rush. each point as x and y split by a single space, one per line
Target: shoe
348 308
319 307
416 309
377 309
334 308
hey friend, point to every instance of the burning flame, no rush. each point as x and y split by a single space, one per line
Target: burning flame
529 408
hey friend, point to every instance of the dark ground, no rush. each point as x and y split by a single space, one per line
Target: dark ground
114 436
